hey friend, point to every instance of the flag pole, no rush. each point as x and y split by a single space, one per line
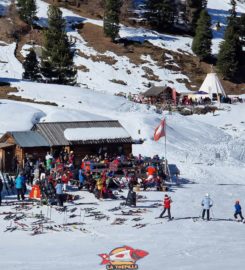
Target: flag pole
165 144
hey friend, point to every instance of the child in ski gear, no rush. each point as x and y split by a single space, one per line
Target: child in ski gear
207 203
167 205
238 210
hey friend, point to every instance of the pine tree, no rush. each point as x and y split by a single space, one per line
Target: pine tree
229 54
57 57
31 11
242 29
112 18
204 3
31 67
241 24
193 10
202 41
161 13
27 10
233 14
21 7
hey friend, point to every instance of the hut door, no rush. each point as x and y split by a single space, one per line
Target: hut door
9 155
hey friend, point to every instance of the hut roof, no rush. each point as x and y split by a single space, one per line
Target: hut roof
29 139
82 132
155 91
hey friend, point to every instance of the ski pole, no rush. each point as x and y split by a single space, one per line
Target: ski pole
200 214
80 219
50 212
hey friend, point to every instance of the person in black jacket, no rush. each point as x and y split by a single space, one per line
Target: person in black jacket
131 198
1 189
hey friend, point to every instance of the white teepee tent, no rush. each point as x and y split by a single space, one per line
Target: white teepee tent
212 85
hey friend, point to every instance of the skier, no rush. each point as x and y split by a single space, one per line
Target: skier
167 205
238 211
1 189
207 203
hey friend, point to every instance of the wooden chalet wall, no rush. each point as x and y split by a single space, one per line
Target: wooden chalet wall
35 152
7 154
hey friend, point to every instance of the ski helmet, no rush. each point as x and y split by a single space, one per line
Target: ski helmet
207 195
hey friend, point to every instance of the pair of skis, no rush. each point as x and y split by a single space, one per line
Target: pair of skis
165 217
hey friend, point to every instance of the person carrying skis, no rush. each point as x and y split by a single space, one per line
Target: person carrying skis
238 211
167 205
207 203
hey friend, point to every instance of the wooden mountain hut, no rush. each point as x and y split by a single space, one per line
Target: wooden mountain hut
82 137
159 95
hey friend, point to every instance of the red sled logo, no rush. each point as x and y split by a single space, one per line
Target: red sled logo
122 258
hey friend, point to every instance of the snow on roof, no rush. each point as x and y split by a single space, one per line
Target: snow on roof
95 133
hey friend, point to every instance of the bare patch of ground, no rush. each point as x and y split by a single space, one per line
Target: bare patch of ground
7 92
93 9
118 82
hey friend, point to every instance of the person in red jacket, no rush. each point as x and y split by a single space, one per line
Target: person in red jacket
65 181
167 205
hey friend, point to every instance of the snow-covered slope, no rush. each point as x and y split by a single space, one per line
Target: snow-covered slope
10 67
100 75
193 144
199 137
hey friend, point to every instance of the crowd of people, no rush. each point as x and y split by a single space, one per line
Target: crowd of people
103 175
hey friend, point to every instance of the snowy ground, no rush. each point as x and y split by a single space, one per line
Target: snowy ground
181 244
192 144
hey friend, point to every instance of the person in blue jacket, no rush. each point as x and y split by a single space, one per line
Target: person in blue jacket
59 192
81 178
238 211
19 185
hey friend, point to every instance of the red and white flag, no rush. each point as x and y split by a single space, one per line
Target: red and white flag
160 130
